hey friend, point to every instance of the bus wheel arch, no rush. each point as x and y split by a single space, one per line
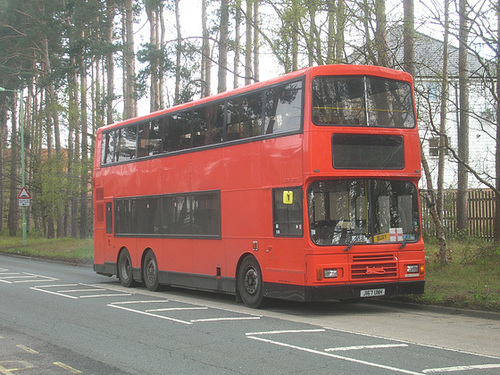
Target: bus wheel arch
249 282
149 268
124 268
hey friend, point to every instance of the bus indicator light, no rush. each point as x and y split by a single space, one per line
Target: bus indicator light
319 274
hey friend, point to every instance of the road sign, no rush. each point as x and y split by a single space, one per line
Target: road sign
24 198
23 194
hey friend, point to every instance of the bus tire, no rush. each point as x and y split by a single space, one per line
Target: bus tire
125 269
150 272
249 283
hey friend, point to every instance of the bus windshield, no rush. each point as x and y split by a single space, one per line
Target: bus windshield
363 211
362 101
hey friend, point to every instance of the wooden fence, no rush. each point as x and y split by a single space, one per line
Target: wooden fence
481 214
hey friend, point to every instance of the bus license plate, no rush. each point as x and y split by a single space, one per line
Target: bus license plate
372 292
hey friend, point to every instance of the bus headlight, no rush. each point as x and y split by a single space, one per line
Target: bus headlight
330 273
412 268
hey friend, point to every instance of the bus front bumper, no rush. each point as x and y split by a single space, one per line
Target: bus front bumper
343 292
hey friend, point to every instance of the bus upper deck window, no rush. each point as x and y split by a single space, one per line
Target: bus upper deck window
362 101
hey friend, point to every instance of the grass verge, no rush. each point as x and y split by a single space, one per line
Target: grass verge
65 249
470 280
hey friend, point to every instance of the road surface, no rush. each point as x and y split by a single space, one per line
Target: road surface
61 319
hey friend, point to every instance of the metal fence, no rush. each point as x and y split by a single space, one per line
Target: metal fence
481 214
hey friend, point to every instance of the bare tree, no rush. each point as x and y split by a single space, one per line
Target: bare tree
110 66
206 62
248 42
496 229
224 29
256 33
444 252
463 133
237 44
153 13
178 53
381 33
129 78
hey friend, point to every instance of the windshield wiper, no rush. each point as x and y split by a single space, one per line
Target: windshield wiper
403 244
351 244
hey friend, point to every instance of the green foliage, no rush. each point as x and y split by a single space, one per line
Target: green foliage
67 249
470 280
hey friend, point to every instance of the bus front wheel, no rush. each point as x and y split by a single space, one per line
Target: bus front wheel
125 269
150 271
250 285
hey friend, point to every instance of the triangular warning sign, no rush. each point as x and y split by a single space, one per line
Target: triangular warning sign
24 194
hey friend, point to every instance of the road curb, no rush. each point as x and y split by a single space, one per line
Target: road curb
493 315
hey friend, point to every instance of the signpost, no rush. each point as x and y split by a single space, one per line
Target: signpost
24 198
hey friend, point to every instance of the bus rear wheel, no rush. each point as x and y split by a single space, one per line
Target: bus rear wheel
249 283
125 269
150 272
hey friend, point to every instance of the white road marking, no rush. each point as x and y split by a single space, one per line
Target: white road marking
107 295
148 314
138 302
54 293
313 351
81 290
361 347
177 309
461 368
285 331
225 319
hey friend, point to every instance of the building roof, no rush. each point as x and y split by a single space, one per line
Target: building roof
428 55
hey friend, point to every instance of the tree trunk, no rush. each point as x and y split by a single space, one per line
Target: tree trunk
161 69
340 42
130 96
332 34
84 228
152 12
443 139
13 217
409 37
110 65
178 54
3 146
381 33
443 244
237 45
224 29
248 43
496 229
256 31
206 63
463 132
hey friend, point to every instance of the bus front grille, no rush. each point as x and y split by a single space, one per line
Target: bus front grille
368 267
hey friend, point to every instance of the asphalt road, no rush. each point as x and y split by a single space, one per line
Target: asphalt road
62 319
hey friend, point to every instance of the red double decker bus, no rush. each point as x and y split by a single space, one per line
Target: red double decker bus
303 187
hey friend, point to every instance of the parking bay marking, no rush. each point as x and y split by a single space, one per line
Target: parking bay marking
152 312
319 352
66 292
118 305
24 277
461 368
486 366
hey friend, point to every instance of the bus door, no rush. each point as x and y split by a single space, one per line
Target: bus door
108 237
287 249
